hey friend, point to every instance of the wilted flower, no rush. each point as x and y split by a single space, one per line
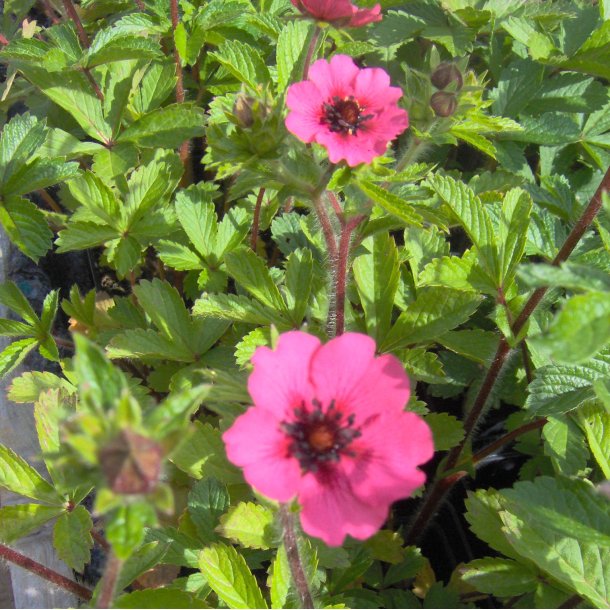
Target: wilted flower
339 12
328 426
353 112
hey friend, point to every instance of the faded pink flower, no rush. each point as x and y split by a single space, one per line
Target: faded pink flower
339 12
349 110
328 426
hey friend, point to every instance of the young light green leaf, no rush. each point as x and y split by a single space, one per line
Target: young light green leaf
595 421
250 271
230 577
243 61
125 526
72 538
565 445
18 520
299 278
27 387
13 354
376 274
207 501
18 476
292 46
249 524
499 577
434 312
447 430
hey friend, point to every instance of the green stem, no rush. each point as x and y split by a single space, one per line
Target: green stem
294 559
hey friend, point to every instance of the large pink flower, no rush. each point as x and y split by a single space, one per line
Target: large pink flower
353 112
328 426
339 12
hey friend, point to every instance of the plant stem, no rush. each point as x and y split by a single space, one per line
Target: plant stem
100 539
50 201
63 342
3 40
109 580
184 148
43 572
256 218
438 489
50 12
335 203
94 85
327 228
80 30
310 51
294 559
336 314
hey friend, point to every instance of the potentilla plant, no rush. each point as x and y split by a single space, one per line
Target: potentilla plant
344 337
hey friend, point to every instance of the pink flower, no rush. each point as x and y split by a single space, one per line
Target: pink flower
328 426
339 12
349 110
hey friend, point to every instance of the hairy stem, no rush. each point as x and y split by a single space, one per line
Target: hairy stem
80 30
327 228
310 51
434 496
43 572
109 581
256 218
336 314
184 148
294 559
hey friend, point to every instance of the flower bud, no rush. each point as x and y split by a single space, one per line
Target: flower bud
242 109
131 463
445 74
443 103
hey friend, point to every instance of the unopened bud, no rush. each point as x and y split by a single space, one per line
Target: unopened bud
443 103
131 463
242 109
445 74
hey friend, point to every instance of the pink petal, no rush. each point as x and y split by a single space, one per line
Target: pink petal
391 447
328 10
334 78
346 370
256 443
280 379
372 89
365 16
331 511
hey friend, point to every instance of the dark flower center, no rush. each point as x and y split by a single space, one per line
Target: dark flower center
344 115
319 436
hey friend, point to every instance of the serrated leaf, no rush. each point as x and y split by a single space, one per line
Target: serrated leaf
292 47
97 197
391 203
166 127
158 598
140 561
515 220
27 227
14 299
72 538
299 279
377 274
568 275
84 235
142 343
116 44
207 501
243 61
154 88
564 445
434 312
13 328
230 577
177 256
197 216
13 354
476 344
558 389
18 520
579 330
499 577
251 272
18 476
20 138
596 424
447 430
249 524
39 174
236 308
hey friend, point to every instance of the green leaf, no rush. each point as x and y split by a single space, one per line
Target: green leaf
592 57
125 526
154 88
393 204
18 520
292 47
158 598
84 235
377 274
249 524
514 223
27 387
201 454
477 344
39 174
197 215
116 44
18 476
596 424
13 355
178 256
166 127
243 61
142 343
579 330
72 538
434 312
568 275
251 272
140 561
207 501
13 298
97 198
447 430
299 279
27 227
472 216
237 308
565 445
229 577
20 138
558 389
499 577
12 328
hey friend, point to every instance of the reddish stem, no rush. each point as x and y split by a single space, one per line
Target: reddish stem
140 5
94 85
100 540
80 30
336 205
180 96
3 40
341 276
310 51
53 205
327 229
43 572
50 12
256 218
109 581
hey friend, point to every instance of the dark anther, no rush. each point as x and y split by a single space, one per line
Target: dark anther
344 115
